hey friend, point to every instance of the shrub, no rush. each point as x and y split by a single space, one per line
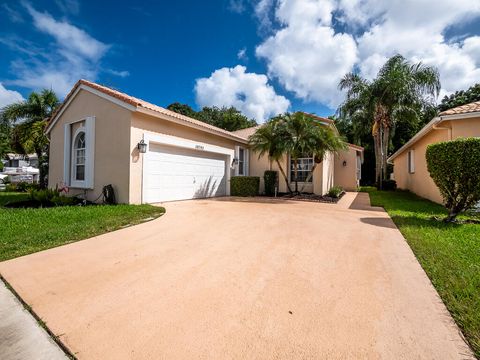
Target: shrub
244 185
270 178
335 191
455 168
388 185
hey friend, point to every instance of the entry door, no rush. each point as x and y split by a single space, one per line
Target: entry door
172 173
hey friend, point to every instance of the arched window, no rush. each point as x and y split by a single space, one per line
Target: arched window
78 155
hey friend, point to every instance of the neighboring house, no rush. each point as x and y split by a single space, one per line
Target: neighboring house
19 160
97 133
21 168
410 164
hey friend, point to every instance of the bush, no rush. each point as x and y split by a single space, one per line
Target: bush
335 192
244 185
388 185
270 178
455 168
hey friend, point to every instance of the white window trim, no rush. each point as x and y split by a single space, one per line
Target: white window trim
74 182
89 129
290 174
411 161
246 165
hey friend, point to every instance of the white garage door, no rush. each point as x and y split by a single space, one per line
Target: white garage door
172 173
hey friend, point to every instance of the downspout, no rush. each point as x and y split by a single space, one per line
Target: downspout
436 127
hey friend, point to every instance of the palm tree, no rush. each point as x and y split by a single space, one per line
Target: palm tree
399 94
267 140
30 117
298 135
305 136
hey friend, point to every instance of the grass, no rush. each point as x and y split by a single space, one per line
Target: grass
449 254
25 231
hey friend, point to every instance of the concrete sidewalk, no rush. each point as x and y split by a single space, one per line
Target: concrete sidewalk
21 337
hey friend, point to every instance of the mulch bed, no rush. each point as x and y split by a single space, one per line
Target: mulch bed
311 197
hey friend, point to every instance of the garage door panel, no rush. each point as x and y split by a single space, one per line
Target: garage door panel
176 174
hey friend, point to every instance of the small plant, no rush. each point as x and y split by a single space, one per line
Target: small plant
270 178
335 192
244 185
455 168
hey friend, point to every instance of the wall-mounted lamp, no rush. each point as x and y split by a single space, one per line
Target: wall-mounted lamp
344 162
142 147
234 162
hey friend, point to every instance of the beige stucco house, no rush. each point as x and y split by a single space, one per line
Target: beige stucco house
96 134
410 164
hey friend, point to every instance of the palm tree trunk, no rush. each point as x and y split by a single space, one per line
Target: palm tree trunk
376 145
385 142
284 175
41 169
295 164
310 175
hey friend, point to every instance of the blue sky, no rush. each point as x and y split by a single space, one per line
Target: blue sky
264 57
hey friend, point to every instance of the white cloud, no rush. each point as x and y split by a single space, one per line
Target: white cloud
308 56
242 54
9 96
69 37
74 55
68 6
248 92
236 6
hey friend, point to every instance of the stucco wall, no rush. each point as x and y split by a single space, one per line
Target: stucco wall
420 182
146 124
112 132
346 176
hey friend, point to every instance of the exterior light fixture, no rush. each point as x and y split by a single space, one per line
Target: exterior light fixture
142 147
344 162
234 162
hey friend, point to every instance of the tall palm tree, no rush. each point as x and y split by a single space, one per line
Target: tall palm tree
29 118
267 139
399 93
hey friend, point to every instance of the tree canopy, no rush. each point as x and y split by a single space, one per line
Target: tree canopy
227 118
399 98
460 97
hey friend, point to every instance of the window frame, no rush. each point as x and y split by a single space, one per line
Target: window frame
411 161
292 171
242 166
73 160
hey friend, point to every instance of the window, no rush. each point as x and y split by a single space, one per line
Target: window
78 160
304 166
241 168
411 161
241 161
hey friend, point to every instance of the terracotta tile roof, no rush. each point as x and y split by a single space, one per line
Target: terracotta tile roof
320 118
463 109
131 100
358 147
245 133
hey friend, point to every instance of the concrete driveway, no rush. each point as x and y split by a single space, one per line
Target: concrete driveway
242 279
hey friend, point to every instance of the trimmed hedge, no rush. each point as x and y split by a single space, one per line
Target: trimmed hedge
455 168
270 178
244 185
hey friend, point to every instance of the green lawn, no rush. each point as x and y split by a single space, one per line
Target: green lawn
25 231
449 253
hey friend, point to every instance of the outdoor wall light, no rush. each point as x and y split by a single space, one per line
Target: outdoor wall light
142 147
234 162
344 163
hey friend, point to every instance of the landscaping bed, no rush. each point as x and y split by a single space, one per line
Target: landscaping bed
312 197
448 252
28 230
